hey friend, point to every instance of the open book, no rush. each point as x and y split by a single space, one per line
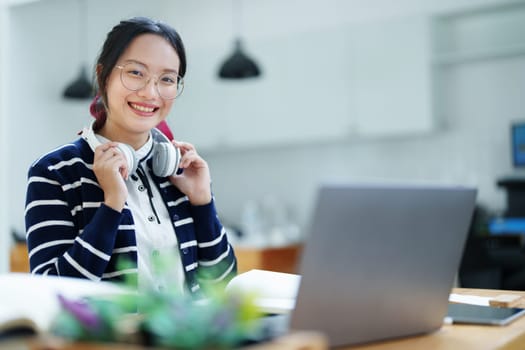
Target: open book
275 292
29 303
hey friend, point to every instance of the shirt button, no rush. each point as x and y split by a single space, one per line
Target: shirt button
175 217
151 218
141 188
185 251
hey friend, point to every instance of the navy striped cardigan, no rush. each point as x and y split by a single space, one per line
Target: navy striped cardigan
70 232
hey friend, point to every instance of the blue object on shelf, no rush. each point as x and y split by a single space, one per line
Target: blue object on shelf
507 225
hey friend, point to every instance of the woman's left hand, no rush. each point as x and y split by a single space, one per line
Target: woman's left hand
195 180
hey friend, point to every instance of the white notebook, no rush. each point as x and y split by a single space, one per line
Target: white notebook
275 292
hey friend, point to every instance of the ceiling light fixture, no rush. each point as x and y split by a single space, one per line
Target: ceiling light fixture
238 65
81 87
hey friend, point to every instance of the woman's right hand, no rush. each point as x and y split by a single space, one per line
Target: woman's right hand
111 168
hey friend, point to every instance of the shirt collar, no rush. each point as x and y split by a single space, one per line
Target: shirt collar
145 151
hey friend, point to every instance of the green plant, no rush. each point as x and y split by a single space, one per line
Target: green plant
166 319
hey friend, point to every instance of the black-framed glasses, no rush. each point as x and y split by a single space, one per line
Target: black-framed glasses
135 76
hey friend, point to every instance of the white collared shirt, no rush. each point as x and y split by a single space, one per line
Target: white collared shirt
155 241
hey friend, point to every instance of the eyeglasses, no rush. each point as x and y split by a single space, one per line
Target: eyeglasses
135 76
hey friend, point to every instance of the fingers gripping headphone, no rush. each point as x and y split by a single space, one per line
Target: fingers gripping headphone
166 157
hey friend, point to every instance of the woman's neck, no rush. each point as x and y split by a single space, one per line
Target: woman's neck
114 133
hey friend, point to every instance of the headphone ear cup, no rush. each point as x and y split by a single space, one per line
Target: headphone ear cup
131 158
128 151
166 159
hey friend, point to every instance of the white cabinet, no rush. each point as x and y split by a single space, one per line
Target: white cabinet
18 2
301 96
349 81
391 77
492 32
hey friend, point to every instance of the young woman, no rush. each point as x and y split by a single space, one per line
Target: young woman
123 197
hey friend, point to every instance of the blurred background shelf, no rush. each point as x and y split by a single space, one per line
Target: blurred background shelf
18 258
280 259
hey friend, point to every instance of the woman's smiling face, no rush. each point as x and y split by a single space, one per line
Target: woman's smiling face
132 114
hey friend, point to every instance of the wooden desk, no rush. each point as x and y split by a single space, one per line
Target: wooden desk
449 337
293 341
464 337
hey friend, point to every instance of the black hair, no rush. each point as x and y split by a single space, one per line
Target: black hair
117 41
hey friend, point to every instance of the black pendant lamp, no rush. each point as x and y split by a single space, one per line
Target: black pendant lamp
238 65
81 87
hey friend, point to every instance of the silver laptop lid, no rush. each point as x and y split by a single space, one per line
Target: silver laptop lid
380 260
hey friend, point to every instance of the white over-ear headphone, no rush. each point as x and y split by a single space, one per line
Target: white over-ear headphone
166 157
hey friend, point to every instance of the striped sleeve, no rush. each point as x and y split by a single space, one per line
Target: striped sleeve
57 243
217 263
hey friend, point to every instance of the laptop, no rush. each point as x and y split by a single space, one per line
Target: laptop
380 260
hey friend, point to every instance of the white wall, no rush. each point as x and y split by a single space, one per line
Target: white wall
4 147
471 148
478 103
